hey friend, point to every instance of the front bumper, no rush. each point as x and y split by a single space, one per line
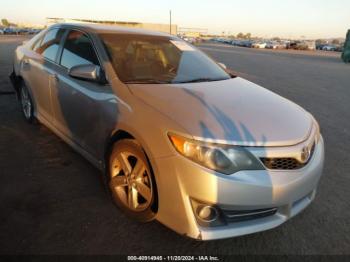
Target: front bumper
180 180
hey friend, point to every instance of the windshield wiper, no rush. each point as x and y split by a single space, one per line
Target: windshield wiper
199 80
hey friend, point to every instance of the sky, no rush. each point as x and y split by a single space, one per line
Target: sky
264 18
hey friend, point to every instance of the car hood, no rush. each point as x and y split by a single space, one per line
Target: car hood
233 111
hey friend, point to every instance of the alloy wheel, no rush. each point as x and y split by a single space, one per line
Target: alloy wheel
26 103
131 181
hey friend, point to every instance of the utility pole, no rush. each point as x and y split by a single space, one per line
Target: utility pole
170 21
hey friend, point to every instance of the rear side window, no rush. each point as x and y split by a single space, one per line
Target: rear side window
50 44
36 45
37 41
78 50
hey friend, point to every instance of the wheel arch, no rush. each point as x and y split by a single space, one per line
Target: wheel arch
16 81
111 140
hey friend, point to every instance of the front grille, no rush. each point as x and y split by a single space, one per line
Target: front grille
282 163
232 216
286 163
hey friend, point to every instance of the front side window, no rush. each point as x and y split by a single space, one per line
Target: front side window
159 59
78 50
50 44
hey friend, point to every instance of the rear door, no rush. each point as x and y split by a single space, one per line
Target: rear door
40 68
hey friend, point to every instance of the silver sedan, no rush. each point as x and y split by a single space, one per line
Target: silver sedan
177 137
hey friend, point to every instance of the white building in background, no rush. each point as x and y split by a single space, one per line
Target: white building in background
155 27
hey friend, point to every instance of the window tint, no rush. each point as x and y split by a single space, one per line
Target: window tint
50 44
78 50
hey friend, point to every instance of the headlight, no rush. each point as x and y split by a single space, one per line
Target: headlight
220 158
318 130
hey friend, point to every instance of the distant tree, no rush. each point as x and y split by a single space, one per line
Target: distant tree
321 42
248 36
276 39
240 35
335 42
5 22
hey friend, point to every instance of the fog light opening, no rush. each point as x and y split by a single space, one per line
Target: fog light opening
207 213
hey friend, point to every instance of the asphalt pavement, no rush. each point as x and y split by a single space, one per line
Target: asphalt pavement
52 200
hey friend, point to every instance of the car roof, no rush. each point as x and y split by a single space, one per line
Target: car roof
111 29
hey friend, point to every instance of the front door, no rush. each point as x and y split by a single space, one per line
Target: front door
77 104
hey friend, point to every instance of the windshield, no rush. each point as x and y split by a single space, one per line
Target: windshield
158 59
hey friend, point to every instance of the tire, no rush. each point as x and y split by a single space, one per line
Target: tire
27 104
130 181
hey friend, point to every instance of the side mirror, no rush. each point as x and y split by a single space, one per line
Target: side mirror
222 65
91 73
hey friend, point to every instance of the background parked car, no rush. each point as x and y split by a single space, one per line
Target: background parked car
329 48
302 45
275 45
190 40
271 45
339 48
9 31
259 45
235 42
320 46
1 32
246 43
